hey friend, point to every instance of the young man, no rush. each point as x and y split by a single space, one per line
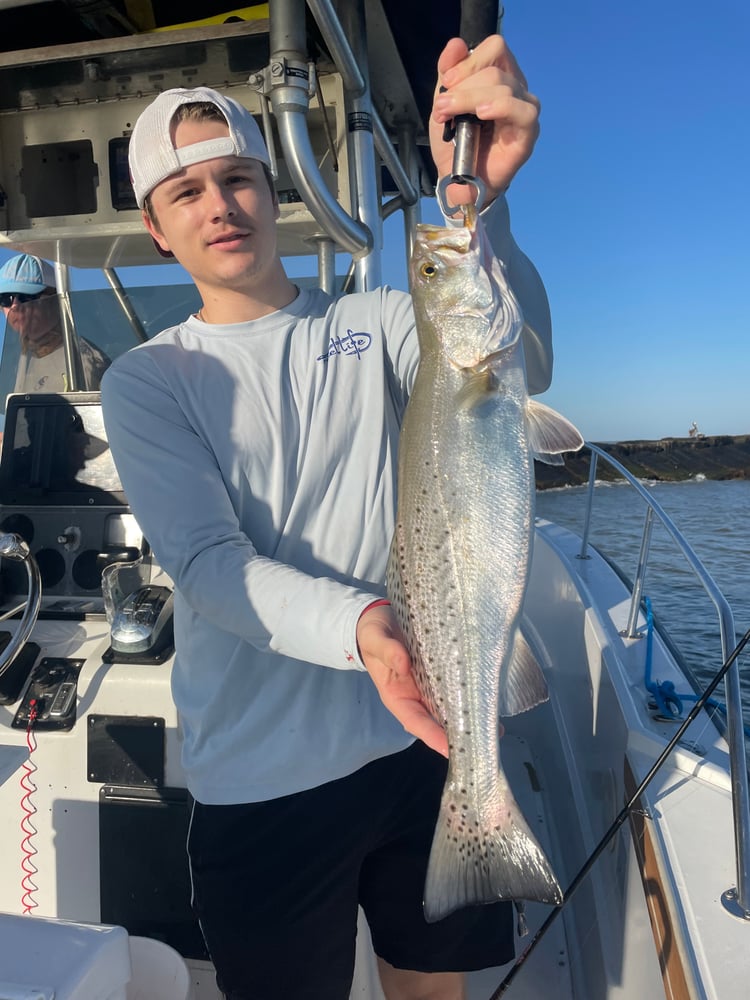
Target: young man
28 297
262 467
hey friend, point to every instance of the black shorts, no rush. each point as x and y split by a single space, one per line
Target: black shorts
276 885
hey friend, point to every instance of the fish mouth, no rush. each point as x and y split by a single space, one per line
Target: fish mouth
460 239
442 240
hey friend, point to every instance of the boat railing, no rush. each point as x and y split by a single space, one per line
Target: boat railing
738 901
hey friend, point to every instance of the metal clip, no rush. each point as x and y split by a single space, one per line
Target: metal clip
445 206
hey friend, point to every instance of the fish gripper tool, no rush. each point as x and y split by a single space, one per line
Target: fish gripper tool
463 131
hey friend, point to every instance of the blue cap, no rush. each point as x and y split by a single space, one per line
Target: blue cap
26 275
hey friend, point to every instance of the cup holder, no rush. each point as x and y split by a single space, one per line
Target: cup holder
51 566
18 524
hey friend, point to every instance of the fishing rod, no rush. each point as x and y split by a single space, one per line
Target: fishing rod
621 817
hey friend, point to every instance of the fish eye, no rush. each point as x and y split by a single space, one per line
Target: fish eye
428 269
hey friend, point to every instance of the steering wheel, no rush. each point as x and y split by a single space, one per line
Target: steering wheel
14 547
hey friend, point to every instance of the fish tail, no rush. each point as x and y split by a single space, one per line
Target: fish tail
475 861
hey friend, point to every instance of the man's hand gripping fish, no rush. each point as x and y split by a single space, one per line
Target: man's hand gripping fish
461 552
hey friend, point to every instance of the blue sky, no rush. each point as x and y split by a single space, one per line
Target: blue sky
635 208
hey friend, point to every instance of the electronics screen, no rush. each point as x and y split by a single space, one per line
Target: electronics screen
120 185
55 453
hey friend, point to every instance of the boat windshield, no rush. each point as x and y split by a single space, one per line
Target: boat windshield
103 324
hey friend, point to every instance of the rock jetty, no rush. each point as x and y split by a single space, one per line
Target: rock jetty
668 459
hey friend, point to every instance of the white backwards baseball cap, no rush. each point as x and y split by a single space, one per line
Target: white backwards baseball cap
153 158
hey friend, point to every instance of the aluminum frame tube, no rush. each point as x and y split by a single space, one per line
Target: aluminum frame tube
338 44
72 360
400 172
356 86
363 179
631 632
303 168
290 102
326 253
286 28
735 735
410 166
125 304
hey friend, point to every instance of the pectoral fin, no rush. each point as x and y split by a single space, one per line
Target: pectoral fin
523 685
550 434
478 387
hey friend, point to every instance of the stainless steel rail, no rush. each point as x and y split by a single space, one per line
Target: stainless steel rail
361 144
73 368
125 304
288 75
735 732
285 83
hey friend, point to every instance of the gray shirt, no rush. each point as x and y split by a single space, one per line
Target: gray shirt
48 373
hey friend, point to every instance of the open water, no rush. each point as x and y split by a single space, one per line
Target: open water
714 517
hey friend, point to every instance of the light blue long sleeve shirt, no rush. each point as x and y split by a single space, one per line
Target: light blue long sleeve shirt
259 459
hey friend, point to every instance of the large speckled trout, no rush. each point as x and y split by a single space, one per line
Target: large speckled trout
460 556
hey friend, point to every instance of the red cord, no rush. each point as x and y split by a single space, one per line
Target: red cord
27 827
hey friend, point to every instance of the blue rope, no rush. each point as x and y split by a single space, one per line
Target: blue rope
668 701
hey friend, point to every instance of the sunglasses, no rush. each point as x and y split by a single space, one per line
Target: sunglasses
7 298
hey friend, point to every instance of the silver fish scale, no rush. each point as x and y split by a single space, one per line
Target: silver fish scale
460 541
